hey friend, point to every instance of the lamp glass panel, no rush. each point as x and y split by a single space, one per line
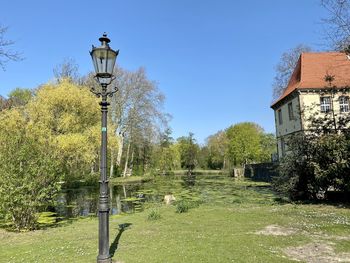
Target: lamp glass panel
99 57
111 58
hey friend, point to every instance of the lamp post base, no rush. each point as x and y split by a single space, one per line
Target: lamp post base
104 260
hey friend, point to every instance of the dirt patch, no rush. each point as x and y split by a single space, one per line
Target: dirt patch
317 252
276 230
324 236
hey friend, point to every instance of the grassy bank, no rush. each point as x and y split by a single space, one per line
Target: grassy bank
200 172
130 179
250 225
136 179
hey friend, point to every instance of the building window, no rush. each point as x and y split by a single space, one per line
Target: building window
344 104
290 111
280 117
325 103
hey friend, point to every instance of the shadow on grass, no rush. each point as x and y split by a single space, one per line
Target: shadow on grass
114 245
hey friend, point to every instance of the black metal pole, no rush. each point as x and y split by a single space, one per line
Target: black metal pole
103 206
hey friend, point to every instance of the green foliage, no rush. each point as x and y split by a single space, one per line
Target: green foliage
69 115
268 146
314 164
167 159
317 160
218 150
188 152
64 108
182 206
53 136
153 214
203 158
17 98
28 170
248 143
21 97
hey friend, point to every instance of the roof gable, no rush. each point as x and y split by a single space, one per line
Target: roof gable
312 68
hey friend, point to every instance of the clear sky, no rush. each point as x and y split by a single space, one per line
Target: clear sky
213 59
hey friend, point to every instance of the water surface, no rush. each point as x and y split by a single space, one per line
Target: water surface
134 197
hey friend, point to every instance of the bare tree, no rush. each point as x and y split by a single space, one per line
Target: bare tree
137 112
6 54
337 24
284 69
68 69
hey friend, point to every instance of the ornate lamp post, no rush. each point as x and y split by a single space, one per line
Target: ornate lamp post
103 58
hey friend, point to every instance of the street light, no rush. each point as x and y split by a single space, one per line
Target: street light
103 58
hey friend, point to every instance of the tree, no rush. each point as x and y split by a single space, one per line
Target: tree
20 97
17 98
166 159
137 113
337 24
285 68
165 155
248 143
6 54
5 103
68 69
70 115
317 160
28 169
244 143
203 158
268 146
166 139
314 164
189 152
218 150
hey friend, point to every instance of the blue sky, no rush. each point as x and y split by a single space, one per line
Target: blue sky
213 59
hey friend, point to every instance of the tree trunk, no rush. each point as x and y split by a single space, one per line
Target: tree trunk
144 161
111 170
131 162
126 160
124 191
120 150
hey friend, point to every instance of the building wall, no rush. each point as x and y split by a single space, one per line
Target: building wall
310 102
310 107
288 125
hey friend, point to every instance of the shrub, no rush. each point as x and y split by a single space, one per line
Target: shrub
28 170
315 163
153 214
182 206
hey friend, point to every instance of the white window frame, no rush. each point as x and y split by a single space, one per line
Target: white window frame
325 105
344 104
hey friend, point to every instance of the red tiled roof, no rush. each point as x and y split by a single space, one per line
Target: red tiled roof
312 68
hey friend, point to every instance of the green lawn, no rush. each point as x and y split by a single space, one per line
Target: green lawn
248 226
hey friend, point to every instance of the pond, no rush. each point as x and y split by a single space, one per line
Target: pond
134 197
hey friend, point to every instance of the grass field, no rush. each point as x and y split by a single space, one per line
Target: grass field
250 225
